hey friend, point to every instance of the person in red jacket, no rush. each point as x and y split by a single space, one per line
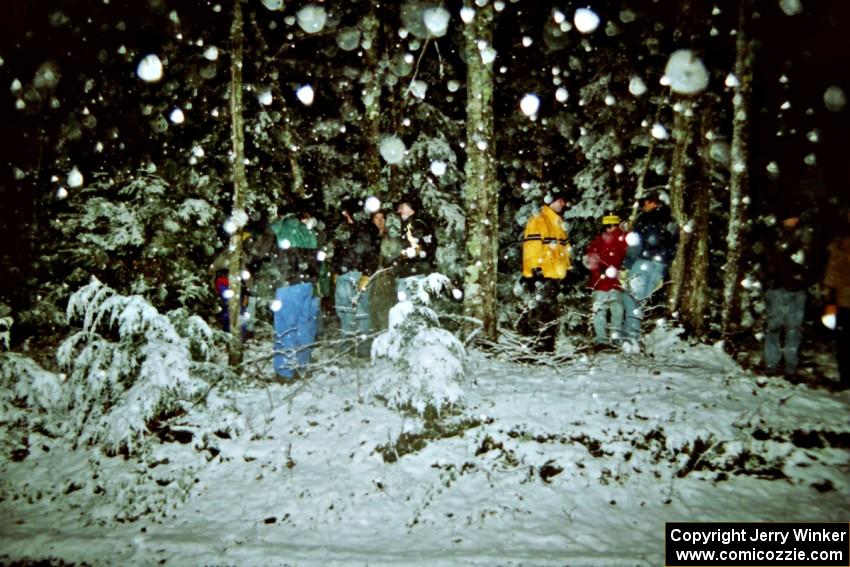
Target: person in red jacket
604 258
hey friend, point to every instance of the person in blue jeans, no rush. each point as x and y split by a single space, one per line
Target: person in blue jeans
356 258
288 264
788 275
652 245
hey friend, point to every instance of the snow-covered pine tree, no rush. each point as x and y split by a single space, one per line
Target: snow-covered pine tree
129 365
424 363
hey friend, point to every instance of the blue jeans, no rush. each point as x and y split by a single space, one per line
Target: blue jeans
785 310
295 325
607 303
645 277
352 307
409 286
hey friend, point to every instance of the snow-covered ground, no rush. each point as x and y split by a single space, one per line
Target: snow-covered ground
578 464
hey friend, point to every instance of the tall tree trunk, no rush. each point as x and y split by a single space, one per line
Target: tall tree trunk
682 136
481 190
239 181
690 203
371 98
739 177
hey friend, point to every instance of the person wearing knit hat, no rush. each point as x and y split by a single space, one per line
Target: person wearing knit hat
604 258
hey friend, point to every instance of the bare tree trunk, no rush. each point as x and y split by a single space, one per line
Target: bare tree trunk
372 99
481 190
739 177
682 136
690 204
239 181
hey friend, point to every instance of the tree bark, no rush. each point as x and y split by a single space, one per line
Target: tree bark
481 190
682 136
239 181
371 98
690 204
739 178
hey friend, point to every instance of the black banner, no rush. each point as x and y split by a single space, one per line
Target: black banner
744 544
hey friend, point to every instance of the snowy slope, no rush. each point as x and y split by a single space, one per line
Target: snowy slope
579 464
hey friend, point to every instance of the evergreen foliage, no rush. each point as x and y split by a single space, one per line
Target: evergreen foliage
426 362
141 236
129 365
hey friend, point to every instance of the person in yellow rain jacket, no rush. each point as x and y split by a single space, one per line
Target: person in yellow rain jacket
545 263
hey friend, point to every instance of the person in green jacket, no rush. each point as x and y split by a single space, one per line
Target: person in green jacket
290 266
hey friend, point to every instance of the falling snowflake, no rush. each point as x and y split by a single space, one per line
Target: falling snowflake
834 99
686 73
436 20
636 86
75 178
305 94
312 18
150 69
529 104
586 20
392 149
372 204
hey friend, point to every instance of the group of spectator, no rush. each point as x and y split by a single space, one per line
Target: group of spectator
292 268
628 264
626 268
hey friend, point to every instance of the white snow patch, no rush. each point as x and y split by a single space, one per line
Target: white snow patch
659 132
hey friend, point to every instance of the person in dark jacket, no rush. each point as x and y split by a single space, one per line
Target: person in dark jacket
604 258
837 311
419 246
787 276
356 258
652 245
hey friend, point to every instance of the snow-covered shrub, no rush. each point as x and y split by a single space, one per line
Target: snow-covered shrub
27 395
5 332
128 365
426 362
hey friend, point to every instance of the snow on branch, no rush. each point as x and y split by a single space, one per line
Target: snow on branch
127 365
